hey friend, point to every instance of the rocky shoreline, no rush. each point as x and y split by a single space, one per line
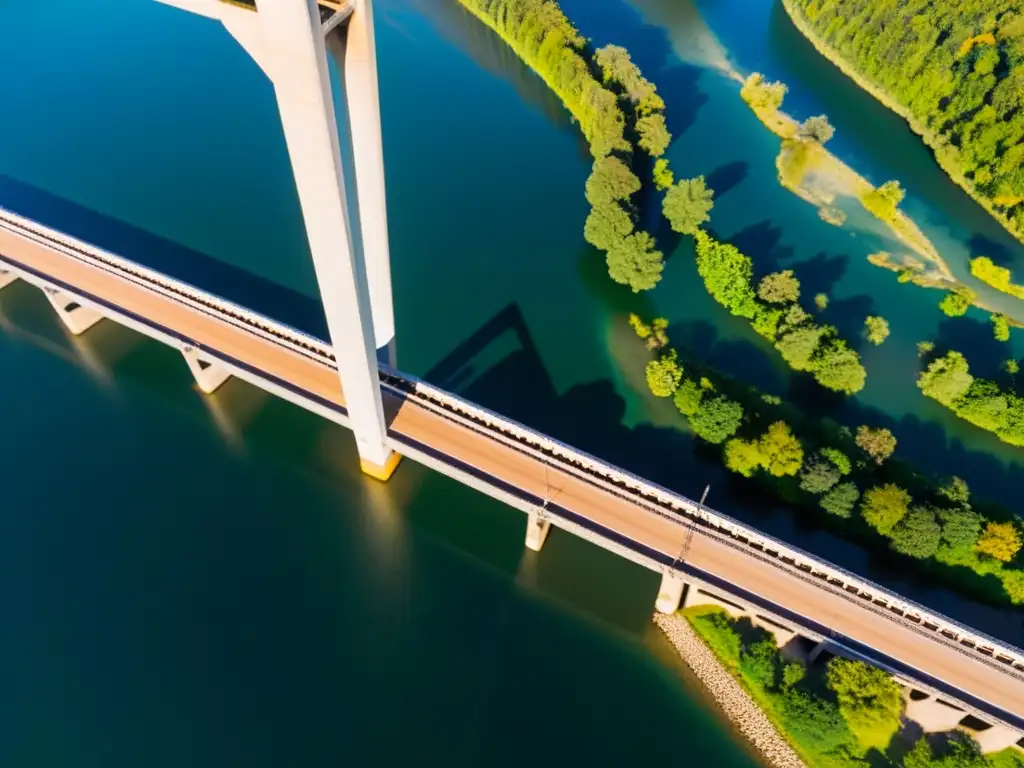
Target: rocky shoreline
734 701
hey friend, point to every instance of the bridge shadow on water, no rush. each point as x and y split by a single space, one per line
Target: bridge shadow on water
166 256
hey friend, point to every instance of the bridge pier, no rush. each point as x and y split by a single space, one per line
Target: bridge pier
819 649
997 738
209 374
6 278
76 317
537 529
932 714
671 592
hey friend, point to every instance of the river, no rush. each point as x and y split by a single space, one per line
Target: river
210 581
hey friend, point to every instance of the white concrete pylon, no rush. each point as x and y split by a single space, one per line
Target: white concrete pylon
671 592
209 374
362 96
296 59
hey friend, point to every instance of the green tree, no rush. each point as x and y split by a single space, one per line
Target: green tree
635 262
1013 583
841 500
726 273
1000 327
925 348
1011 366
1000 540
744 456
954 489
821 301
607 226
759 662
917 534
837 367
817 724
654 136
947 378
955 304
664 375
960 751
884 506
663 177
884 201
687 204
869 700
782 451
610 180
817 129
799 345
792 674
876 329
961 527
717 419
779 287
688 397
877 442
819 475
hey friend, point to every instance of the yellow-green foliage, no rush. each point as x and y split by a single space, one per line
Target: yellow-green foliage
956 68
998 277
543 37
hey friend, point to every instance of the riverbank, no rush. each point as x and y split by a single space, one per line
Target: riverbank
736 703
890 103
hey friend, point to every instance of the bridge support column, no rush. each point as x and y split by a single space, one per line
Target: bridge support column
209 375
354 51
671 592
997 738
537 529
76 317
297 63
933 715
6 278
820 648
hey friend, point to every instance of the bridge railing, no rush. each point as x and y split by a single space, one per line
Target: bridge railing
680 508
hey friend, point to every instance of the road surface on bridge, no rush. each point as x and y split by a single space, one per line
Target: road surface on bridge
425 426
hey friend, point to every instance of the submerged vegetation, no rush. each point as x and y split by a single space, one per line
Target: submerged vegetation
954 71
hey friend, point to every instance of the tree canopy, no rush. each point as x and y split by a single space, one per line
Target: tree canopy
957 69
610 180
884 506
687 204
779 287
634 262
869 700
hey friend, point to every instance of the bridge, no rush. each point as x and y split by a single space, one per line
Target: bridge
702 555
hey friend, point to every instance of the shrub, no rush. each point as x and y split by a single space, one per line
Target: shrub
759 662
816 129
837 367
821 301
1000 327
961 527
760 94
955 304
884 506
726 273
839 459
663 177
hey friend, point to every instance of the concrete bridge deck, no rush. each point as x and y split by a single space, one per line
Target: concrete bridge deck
549 481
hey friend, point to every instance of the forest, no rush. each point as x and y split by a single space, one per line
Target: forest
956 70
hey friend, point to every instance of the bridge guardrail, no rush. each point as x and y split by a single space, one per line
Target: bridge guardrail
684 508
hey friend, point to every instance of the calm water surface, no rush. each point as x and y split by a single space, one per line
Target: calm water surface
270 605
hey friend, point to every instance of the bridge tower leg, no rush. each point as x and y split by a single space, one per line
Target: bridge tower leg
354 51
295 55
